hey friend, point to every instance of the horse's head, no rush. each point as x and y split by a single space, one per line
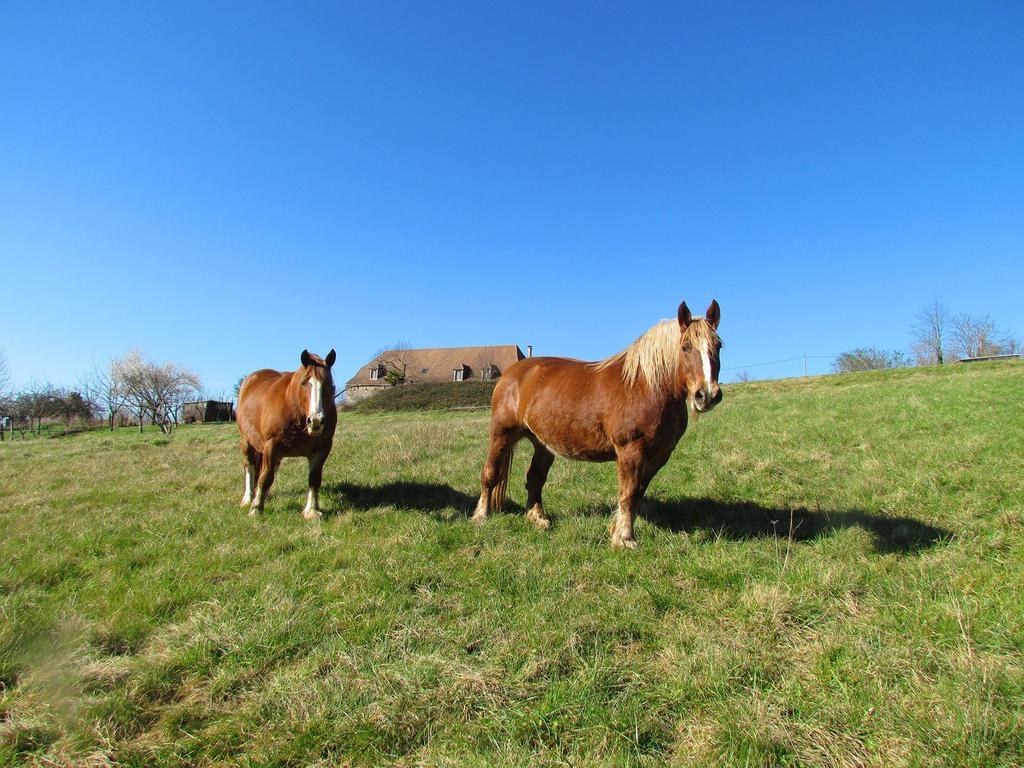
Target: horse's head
316 382
699 357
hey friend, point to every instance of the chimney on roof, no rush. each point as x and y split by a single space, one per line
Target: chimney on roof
529 350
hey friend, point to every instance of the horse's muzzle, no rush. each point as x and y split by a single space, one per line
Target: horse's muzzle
314 425
703 402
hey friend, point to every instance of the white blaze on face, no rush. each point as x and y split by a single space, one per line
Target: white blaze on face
705 358
316 390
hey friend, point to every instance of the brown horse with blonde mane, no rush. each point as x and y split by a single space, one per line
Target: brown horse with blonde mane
282 414
631 408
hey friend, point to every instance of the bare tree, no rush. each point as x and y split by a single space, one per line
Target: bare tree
396 360
5 378
105 387
35 403
979 337
20 409
6 401
868 359
158 391
930 334
744 376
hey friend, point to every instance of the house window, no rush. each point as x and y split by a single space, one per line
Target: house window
458 374
377 372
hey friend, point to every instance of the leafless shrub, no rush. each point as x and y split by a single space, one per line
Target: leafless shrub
868 359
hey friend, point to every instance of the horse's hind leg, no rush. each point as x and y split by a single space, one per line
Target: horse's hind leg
536 476
251 466
316 476
494 477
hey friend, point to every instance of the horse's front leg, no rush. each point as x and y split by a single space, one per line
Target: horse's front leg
630 465
251 466
316 476
268 466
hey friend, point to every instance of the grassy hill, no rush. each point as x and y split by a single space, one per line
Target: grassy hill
429 396
830 573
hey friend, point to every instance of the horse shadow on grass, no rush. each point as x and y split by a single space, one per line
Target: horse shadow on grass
432 498
740 520
733 520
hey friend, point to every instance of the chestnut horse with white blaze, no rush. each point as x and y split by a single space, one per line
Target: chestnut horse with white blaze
631 408
290 413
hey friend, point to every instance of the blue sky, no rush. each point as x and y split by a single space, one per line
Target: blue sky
223 186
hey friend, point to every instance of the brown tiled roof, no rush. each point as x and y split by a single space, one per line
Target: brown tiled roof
438 364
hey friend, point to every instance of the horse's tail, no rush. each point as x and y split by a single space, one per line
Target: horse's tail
497 498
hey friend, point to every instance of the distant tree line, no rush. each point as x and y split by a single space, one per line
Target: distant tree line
129 389
938 337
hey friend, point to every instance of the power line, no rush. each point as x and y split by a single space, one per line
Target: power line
776 362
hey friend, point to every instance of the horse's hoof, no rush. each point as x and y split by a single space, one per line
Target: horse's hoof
254 512
536 516
245 503
312 514
478 519
624 543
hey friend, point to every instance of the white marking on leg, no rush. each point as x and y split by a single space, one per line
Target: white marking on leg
247 497
312 509
536 516
480 513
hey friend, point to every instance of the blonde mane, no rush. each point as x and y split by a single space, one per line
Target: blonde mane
655 354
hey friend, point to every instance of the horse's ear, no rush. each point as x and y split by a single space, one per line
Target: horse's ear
331 357
714 314
685 318
304 358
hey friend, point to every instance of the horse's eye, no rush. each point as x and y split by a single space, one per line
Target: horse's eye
687 347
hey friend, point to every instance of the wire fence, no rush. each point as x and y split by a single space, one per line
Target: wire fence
779 362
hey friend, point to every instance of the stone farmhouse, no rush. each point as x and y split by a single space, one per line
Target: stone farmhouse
435 365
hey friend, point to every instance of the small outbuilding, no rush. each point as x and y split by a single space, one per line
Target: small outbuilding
985 358
204 411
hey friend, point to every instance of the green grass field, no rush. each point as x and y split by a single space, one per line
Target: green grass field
830 573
